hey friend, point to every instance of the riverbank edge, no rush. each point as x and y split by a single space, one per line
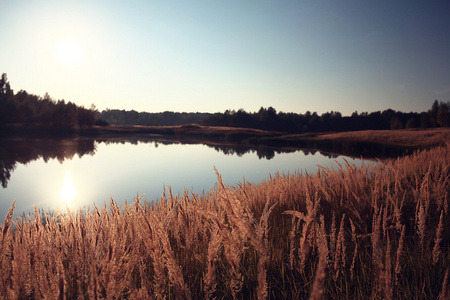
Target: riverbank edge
405 140
368 143
401 137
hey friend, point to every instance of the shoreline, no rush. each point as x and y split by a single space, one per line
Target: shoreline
367 143
401 137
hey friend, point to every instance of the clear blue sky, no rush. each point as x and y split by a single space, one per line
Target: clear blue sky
209 56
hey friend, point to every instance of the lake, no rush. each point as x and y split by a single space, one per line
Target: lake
78 172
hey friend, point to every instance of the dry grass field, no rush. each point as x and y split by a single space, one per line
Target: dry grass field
401 137
187 129
377 231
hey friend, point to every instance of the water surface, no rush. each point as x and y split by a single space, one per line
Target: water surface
80 172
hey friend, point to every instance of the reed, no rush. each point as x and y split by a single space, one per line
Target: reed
374 231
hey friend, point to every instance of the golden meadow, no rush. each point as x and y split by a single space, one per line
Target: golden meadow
381 230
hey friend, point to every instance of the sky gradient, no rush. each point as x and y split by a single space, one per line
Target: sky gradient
209 56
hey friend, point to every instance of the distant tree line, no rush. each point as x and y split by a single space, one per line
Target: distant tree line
269 119
34 111
167 118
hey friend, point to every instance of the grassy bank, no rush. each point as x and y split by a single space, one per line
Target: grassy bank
184 130
377 231
402 137
366 143
394 138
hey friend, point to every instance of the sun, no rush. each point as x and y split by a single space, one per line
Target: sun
68 191
69 51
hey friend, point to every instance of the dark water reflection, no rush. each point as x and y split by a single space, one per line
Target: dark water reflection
263 152
37 170
22 151
15 151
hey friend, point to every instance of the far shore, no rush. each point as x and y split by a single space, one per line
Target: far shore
367 143
401 137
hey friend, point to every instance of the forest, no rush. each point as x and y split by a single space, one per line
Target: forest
270 119
167 118
29 110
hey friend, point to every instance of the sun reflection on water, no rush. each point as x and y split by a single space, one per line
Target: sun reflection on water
68 191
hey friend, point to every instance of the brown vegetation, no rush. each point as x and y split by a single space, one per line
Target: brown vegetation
187 130
370 232
401 137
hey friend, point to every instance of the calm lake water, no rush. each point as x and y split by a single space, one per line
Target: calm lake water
80 172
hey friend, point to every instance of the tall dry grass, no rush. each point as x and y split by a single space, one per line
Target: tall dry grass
376 231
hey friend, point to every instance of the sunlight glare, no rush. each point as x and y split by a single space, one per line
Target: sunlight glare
68 191
69 51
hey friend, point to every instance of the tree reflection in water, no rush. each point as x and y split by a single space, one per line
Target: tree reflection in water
15 151
25 150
